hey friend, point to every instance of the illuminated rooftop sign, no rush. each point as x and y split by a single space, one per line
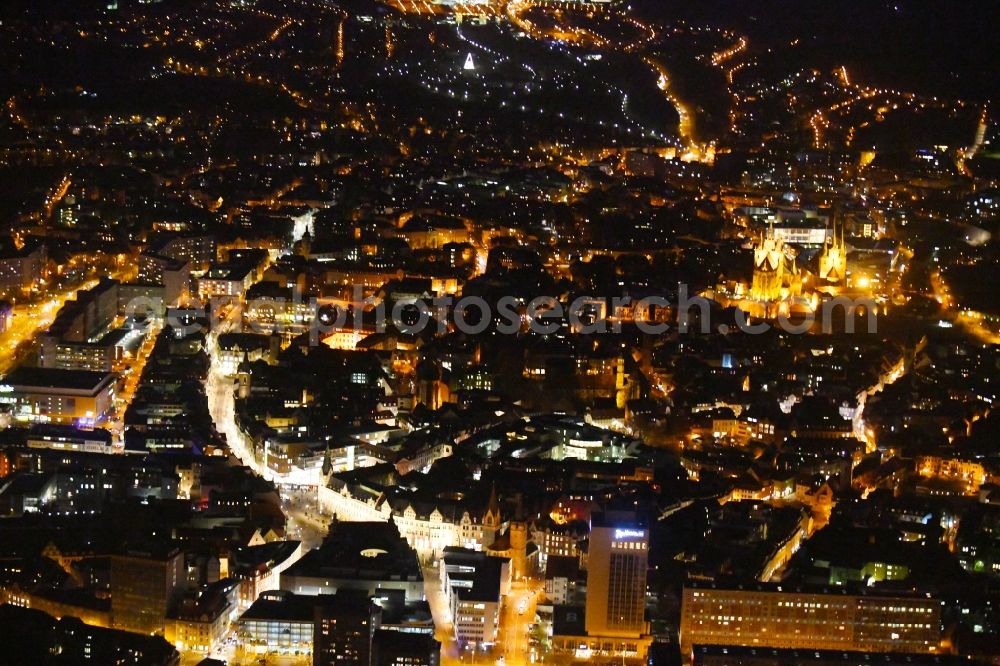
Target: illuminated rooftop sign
622 533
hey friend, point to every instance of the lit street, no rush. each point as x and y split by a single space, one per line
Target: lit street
499 333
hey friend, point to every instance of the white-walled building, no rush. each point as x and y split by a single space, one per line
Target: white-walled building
475 584
429 527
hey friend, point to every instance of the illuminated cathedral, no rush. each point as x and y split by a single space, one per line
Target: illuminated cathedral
833 258
775 276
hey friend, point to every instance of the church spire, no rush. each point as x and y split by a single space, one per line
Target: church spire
492 516
833 258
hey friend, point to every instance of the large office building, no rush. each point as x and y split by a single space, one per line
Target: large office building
226 280
196 250
719 655
397 648
474 584
89 316
68 438
173 274
345 626
102 355
278 623
33 636
368 556
142 299
612 625
616 576
144 588
333 628
776 616
80 337
48 395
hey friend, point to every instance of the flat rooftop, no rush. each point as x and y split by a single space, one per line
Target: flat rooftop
26 377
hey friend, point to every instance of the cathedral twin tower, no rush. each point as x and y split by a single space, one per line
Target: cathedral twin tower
776 277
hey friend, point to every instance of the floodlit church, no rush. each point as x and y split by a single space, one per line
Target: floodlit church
833 258
775 276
